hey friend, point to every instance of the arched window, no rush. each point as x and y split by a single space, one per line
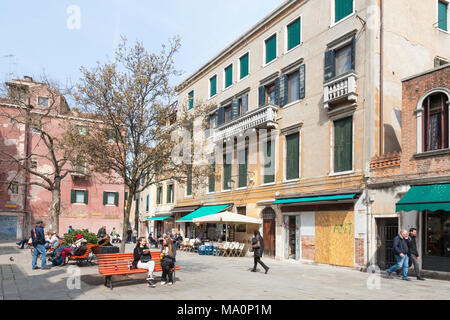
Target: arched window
435 122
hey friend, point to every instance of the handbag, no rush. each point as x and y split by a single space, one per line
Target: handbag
146 258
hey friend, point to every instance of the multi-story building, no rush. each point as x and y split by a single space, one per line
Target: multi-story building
88 200
412 190
305 99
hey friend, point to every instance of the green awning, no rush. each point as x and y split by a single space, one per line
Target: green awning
316 199
203 211
431 197
158 218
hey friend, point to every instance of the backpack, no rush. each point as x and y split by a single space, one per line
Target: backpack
80 251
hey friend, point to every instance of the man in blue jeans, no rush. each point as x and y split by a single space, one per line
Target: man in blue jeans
401 255
38 240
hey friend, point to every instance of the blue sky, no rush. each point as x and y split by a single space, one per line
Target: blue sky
36 32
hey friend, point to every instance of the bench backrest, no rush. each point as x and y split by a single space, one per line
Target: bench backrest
121 261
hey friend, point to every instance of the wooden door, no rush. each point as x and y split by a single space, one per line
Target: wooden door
269 237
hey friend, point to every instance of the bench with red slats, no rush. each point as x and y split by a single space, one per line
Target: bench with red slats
120 263
85 256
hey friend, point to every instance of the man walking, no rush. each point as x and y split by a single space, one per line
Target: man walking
413 253
38 241
129 232
401 255
258 249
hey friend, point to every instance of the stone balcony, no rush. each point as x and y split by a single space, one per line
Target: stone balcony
263 117
339 90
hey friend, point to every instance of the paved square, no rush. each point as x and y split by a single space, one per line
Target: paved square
208 277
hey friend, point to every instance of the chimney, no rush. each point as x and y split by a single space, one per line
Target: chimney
28 78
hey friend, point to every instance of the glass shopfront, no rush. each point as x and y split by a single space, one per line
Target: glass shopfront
437 241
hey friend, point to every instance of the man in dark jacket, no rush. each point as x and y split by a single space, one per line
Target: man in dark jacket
413 253
101 232
401 252
258 249
38 241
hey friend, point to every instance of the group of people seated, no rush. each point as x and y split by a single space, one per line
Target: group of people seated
143 259
176 238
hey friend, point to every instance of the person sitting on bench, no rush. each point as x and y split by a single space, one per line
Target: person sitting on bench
143 259
167 260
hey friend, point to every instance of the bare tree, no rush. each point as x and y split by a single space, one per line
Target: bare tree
39 111
134 100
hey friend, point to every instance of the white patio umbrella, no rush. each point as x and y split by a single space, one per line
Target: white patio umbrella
227 217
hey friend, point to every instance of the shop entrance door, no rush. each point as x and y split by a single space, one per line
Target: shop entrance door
269 232
387 230
436 254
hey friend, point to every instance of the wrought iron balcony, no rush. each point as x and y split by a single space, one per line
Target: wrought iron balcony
263 117
340 89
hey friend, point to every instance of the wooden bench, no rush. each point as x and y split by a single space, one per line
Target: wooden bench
86 256
118 264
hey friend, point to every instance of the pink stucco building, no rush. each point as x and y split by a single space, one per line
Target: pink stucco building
88 200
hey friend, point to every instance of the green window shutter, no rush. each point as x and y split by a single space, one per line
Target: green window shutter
235 112
292 156
244 66
228 76
302 81
86 197
262 96
343 144
191 100
284 90
116 199
212 179
271 48
105 198
243 160
329 65
226 172
342 9
72 196
147 203
442 15
126 196
277 91
294 33
213 86
269 165
189 184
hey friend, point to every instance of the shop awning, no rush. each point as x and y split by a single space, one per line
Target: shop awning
184 209
203 211
158 218
429 197
335 197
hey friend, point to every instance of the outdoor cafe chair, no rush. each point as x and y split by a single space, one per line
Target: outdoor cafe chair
228 249
224 249
239 250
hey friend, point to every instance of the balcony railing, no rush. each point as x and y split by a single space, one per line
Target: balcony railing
263 117
340 89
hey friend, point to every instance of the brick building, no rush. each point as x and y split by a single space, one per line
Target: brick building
88 200
413 189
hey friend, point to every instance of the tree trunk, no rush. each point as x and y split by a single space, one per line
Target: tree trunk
126 223
55 209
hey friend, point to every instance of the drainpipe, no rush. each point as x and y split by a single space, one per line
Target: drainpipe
380 147
368 234
27 148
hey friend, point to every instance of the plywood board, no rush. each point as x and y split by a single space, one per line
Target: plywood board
334 241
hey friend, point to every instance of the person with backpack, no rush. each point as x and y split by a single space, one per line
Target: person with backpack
38 242
168 254
258 249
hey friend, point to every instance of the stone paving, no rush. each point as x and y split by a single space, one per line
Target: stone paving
208 277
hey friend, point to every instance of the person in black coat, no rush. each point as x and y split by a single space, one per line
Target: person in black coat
101 232
258 249
413 253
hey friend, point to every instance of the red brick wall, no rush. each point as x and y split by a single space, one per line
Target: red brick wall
308 248
413 90
359 251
